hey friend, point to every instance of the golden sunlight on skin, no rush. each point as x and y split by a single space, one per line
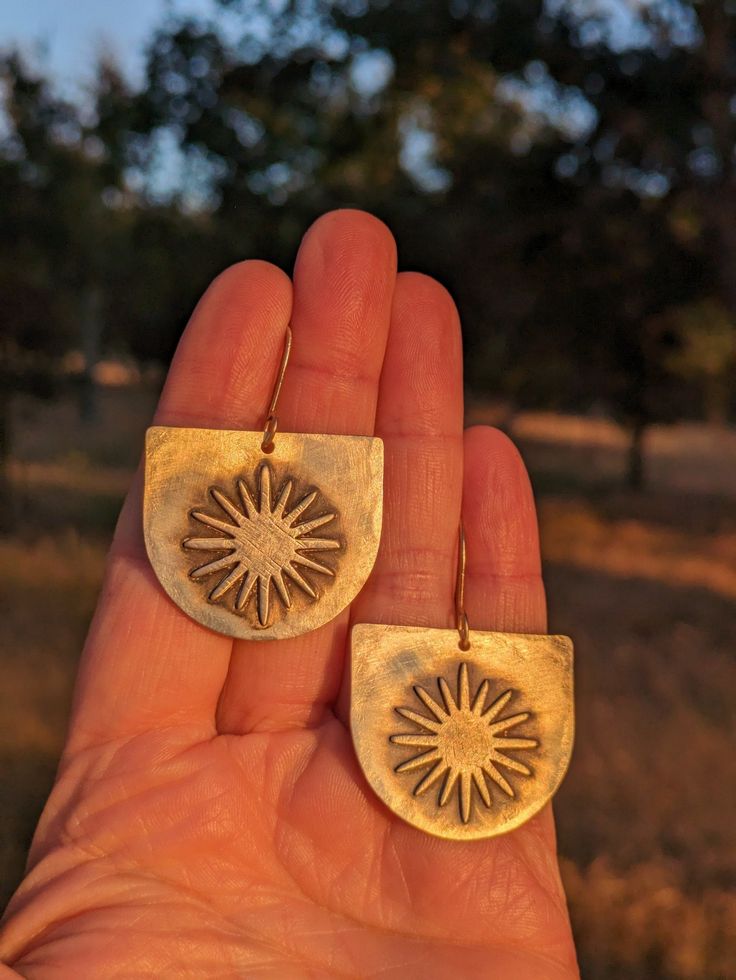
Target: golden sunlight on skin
209 817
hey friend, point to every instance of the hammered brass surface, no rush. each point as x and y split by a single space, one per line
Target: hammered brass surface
261 545
463 744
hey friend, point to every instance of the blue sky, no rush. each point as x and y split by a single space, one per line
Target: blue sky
70 33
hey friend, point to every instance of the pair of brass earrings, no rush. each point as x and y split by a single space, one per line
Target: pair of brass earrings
267 535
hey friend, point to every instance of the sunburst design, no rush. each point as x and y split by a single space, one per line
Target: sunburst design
265 546
463 742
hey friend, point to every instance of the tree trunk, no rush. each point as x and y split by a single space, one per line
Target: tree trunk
716 398
91 332
635 470
6 493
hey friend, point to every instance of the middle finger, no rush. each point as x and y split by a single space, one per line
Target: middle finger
343 287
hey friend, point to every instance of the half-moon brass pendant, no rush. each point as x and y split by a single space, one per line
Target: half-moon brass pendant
462 743
261 544
261 537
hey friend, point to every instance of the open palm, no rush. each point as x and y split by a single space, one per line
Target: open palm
209 818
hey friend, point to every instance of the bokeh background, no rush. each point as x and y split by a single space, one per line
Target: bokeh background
567 170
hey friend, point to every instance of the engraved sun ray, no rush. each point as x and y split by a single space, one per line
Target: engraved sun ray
265 546
463 741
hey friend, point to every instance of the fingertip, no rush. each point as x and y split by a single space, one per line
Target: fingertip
422 374
222 369
346 271
344 279
351 229
252 285
491 454
425 299
498 504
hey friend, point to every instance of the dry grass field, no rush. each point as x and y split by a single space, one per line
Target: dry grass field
646 584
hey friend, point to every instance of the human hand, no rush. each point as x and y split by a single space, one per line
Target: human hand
209 818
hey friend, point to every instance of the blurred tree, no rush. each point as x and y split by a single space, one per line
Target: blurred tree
663 84
522 152
57 180
399 109
567 168
162 261
34 149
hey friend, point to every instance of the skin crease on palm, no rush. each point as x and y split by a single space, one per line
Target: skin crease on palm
209 818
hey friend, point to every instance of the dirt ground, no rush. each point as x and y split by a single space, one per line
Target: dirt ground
645 583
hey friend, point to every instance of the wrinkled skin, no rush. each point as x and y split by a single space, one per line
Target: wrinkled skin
209 818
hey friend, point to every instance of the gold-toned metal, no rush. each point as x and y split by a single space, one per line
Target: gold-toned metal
461 617
262 545
272 423
462 745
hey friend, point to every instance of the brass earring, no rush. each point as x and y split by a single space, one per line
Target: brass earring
262 535
464 734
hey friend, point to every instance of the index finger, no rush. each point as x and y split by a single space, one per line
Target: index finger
146 663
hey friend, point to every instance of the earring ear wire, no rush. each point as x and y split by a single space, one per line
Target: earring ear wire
271 424
461 617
